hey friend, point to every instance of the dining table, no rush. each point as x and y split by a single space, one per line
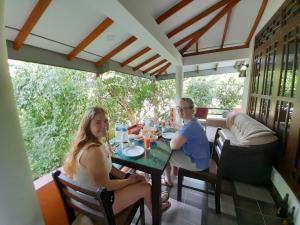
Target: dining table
153 162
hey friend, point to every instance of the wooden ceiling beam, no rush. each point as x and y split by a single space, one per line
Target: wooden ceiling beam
172 11
119 48
154 66
202 29
159 20
257 19
146 62
160 70
215 50
135 56
197 18
196 35
226 28
91 37
31 21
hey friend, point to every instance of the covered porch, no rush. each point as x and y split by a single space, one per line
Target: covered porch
155 40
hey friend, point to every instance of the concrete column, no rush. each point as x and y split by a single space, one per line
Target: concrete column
179 82
18 202
179 76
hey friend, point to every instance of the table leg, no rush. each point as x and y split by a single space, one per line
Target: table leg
156 192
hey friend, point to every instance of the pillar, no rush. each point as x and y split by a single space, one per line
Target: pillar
18 202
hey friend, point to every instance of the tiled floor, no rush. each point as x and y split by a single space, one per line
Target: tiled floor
241 204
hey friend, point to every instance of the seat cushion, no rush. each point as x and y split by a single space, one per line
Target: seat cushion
211 133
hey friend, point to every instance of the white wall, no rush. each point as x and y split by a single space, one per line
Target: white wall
18 202
283 188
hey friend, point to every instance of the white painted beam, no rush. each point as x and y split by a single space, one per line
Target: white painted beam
217 57
207 72
135 17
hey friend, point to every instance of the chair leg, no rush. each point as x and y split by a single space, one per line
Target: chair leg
142 212
179 185
217 198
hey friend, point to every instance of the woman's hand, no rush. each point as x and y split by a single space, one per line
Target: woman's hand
134 178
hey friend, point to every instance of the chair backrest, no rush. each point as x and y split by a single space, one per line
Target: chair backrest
220 145
201 113
92 202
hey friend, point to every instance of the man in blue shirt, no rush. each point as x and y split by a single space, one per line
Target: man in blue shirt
190 145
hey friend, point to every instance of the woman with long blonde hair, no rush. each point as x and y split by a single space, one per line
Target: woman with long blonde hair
89 163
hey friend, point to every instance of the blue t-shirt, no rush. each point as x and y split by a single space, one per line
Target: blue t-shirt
196 146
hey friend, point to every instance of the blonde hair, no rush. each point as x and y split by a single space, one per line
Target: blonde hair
83 137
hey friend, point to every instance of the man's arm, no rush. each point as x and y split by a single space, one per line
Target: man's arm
177 142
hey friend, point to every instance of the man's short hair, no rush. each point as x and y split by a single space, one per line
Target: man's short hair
189 101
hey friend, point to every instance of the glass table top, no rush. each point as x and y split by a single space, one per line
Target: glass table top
155 158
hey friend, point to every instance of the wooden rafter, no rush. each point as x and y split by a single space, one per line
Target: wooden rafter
31 21
160 70
196 35
159 20
154 66
119 48
256 22
226 28
216 50
135 56
197 17
146 62
172 10
91 37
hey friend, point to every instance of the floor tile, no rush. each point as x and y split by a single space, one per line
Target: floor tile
267 208
245 190
249 218
271 220
227 204
262 194
178 214
247 204
211 218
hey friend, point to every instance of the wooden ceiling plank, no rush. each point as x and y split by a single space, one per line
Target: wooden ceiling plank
196 35
91 37
154 66
115 51
172 10
197 18
160 70
31 21
146 62
226 28
135 56
257 19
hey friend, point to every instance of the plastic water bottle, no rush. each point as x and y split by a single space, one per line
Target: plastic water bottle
118 132
125 133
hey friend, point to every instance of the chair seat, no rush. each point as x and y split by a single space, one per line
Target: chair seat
209 175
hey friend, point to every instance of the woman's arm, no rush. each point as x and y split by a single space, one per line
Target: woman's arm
95 161
117 173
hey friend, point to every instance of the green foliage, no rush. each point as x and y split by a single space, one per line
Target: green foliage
218 91
200 90
51 102
229 92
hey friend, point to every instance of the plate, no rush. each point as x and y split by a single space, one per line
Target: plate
133 151
168 135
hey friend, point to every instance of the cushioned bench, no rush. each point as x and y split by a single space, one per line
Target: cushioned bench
250 156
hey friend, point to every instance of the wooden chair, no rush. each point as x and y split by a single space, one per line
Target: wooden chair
94 203
213 174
